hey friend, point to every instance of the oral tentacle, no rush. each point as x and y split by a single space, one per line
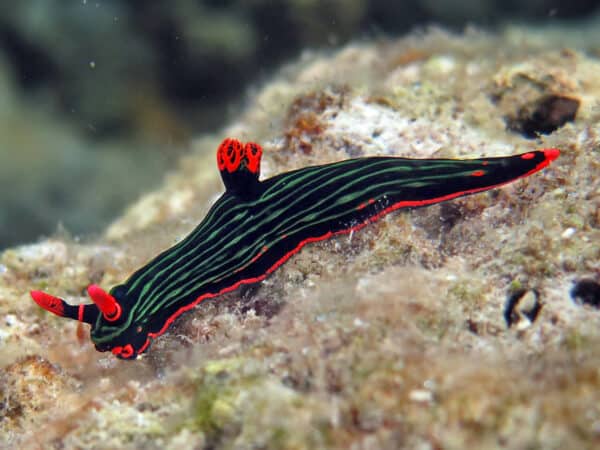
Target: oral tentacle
56 305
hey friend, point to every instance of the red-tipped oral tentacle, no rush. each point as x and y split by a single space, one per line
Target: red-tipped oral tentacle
111 310
56 305
49 302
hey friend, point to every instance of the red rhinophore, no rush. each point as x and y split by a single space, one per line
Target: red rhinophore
478 173
49 302
229 155
253 154
529 155
111 310
233 155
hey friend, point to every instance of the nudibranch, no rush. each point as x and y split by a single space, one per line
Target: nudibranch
255 226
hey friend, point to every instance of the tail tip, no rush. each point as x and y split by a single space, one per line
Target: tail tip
551 153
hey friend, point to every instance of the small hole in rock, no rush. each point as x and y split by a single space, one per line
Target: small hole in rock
544 115
586 291
522 307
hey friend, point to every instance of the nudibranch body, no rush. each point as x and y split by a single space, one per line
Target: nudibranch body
255 226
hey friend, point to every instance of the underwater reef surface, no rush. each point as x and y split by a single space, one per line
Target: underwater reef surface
470 324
